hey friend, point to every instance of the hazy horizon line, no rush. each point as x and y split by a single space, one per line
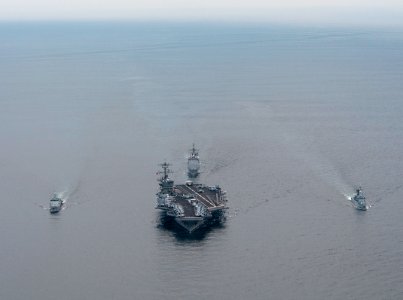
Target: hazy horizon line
89 21
374 16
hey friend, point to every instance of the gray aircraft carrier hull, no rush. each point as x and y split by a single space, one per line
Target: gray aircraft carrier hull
193 206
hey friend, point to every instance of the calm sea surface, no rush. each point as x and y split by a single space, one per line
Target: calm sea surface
288 121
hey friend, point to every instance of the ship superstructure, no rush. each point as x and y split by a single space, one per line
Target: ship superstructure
55 204
193 162
191 205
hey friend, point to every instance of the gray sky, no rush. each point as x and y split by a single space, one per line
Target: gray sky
375 12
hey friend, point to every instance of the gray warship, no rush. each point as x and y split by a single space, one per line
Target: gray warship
56 204
191 205
193 163
359 200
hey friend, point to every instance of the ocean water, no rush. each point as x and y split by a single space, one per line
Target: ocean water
288 121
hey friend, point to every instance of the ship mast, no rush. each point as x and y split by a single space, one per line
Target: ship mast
193 152
165 172
166 184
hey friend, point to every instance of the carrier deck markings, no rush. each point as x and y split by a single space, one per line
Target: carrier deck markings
185 189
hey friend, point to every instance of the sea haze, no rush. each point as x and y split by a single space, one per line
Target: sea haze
288 121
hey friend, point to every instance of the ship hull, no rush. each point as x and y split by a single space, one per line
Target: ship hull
358 205
54 210
189 226
193 173
55 206
193 167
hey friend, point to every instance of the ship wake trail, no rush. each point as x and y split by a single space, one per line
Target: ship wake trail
72 193
322 168
390 192
67 194
300 146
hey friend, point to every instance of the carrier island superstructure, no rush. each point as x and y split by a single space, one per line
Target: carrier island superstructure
191 205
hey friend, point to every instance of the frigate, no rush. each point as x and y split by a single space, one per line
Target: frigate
359 200
56 204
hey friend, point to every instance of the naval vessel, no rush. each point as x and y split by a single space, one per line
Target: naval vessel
191 205
193 163
359 200
56 204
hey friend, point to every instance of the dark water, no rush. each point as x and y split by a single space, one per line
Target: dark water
288 121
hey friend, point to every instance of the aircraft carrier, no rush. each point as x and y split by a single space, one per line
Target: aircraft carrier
191 205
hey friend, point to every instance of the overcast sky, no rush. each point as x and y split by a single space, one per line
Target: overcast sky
384 12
